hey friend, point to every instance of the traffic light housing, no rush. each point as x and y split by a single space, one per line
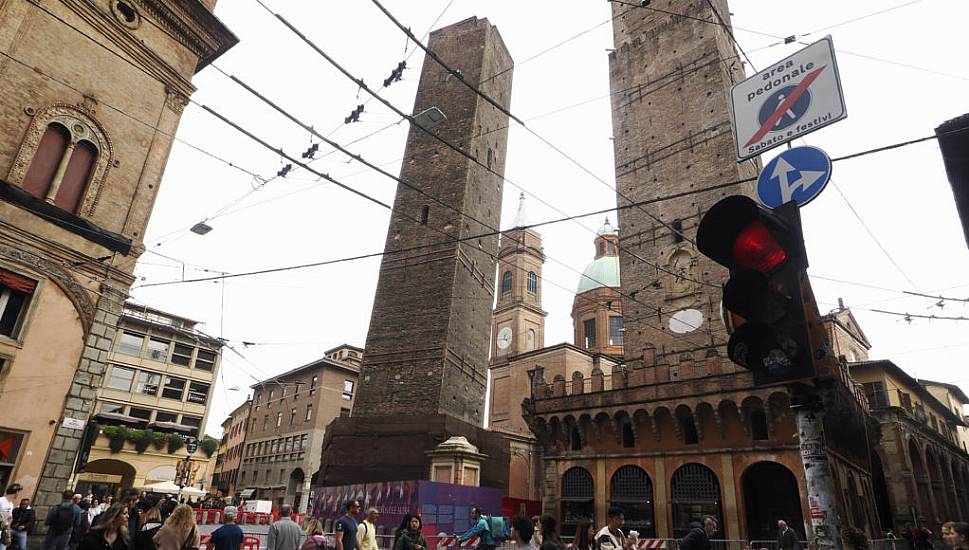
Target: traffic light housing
953 138
764 250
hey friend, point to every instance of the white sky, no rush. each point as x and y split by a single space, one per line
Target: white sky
902 195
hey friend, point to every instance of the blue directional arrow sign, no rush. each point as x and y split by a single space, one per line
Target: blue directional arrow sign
798 174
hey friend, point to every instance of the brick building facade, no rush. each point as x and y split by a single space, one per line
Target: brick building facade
234 430
92 93
288 419
676 430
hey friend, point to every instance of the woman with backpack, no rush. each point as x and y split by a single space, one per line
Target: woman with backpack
412 539
144 538
109 532
313 529
179 531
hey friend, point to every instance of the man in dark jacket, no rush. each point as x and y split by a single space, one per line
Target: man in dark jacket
23 523
60 522
786 537
698 538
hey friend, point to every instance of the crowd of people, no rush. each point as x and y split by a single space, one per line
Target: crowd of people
141 521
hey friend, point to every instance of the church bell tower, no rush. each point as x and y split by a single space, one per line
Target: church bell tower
519 321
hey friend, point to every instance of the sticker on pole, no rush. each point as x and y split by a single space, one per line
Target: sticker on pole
791 98
798 174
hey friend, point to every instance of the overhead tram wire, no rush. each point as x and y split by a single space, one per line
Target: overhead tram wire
336 182
506 112
884 148
541 138
128 297
727 28
862 17
786 40
265 144
222 210
895 290
550 48
444 142
376 168
134 118
227 208
710 188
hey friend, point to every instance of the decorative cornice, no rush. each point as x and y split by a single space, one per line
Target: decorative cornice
193 25
119 35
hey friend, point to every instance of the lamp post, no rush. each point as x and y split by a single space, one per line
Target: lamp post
185 469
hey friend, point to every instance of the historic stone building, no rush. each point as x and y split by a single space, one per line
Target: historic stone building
596 300
288 420
91 96
677 430
234 430
424 375
920 455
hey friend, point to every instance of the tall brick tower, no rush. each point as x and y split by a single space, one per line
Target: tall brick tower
670 77
424 373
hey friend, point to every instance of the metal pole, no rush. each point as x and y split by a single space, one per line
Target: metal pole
822 496
181 478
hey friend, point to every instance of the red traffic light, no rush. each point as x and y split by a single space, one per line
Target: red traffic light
740 235
756 249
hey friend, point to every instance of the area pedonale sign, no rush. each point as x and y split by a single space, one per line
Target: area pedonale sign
793 97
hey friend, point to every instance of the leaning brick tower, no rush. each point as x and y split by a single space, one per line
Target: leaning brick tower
670 77
425 365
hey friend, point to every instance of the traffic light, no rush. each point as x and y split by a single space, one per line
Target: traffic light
764 250
954 143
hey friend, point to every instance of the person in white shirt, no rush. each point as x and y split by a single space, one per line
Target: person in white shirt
611 536
367 531
7 505
94 511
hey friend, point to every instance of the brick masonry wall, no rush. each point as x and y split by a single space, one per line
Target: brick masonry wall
427 347
670 77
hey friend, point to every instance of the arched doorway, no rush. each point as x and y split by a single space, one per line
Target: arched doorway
880 486
578 499
632 490
105 477
935 482
696 493
294 489
921 482
771 493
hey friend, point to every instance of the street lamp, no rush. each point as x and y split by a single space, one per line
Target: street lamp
184 467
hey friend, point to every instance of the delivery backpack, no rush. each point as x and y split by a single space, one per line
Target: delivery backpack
63 520
500 528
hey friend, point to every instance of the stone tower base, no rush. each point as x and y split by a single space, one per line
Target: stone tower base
373 449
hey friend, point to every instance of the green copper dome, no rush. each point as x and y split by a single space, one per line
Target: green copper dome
600 273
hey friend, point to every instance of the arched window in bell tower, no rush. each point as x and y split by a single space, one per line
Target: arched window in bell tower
532 283
506 283
530 340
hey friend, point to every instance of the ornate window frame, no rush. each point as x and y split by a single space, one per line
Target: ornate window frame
82 126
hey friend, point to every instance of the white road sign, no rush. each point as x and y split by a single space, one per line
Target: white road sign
793 97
